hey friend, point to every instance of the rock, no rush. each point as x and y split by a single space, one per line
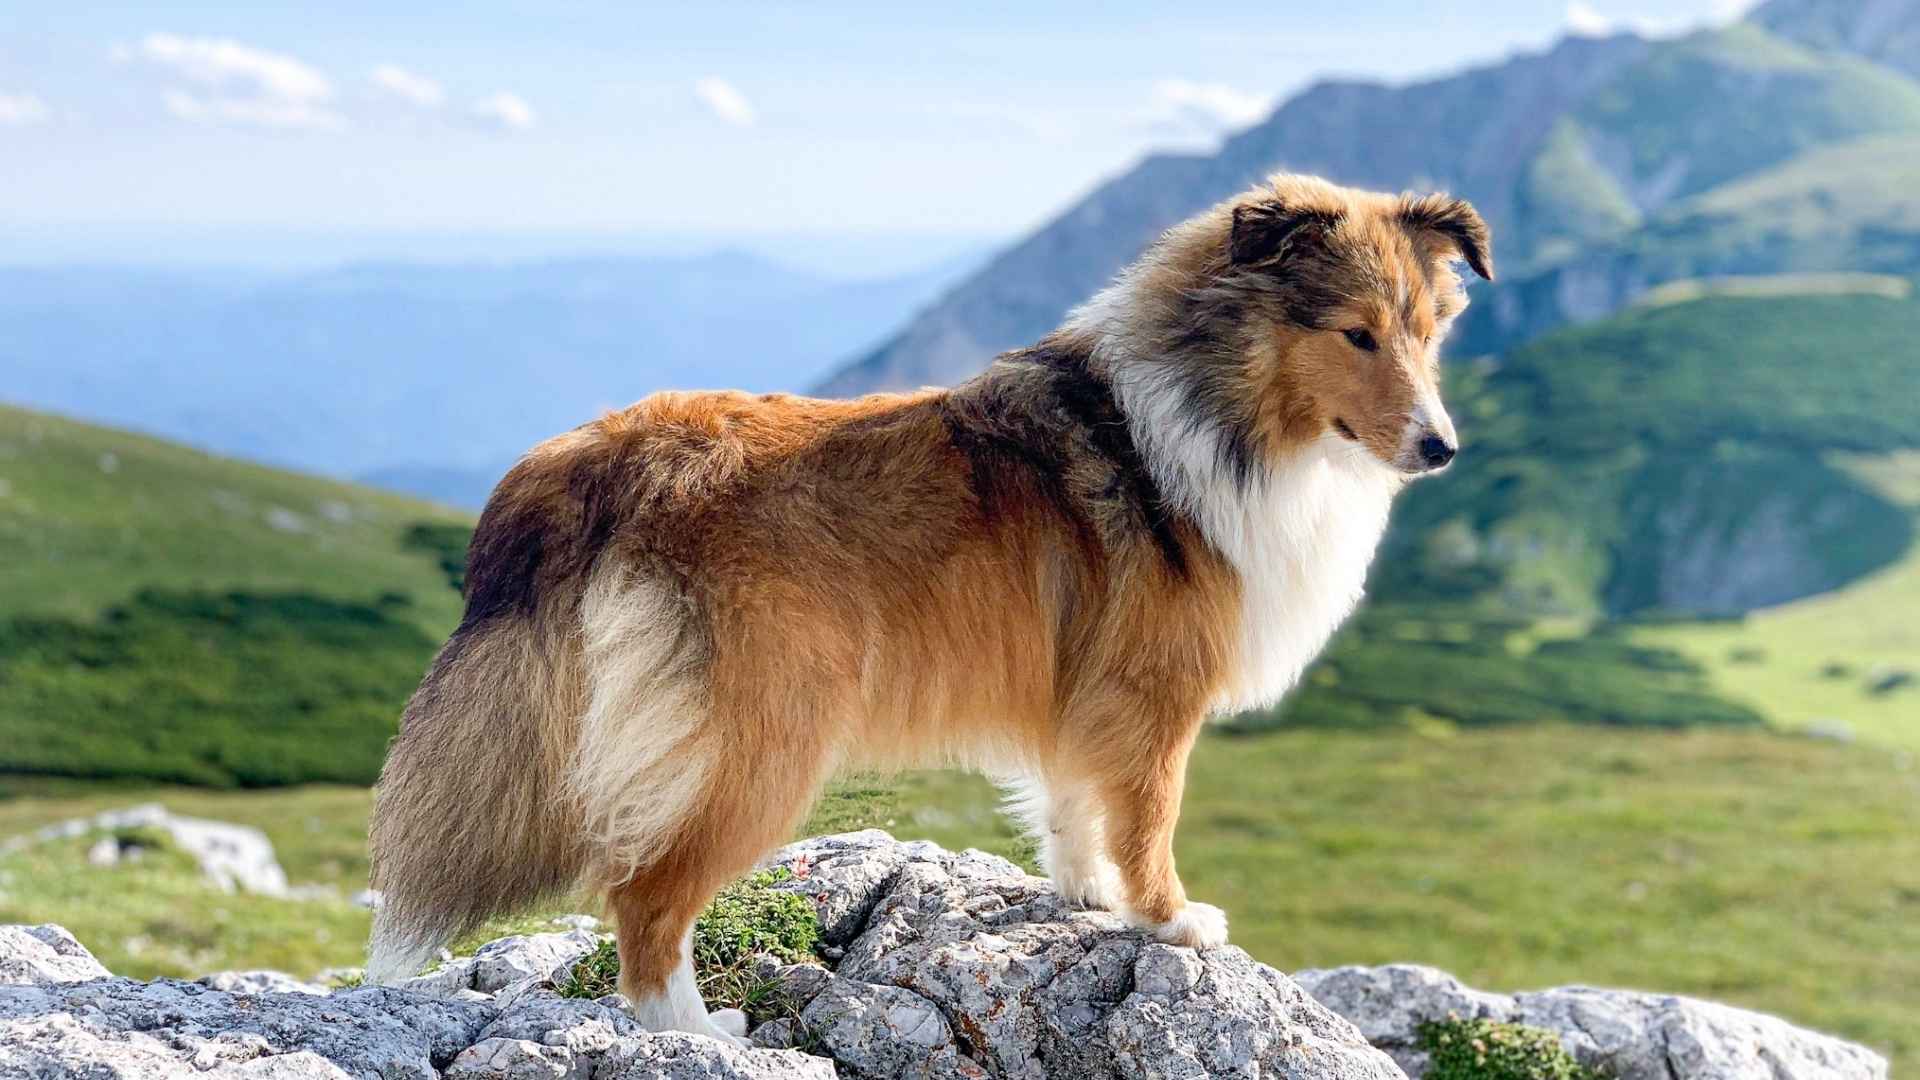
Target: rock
1632 1035
260 982
543 957
45 955
674 1056
1829 729
524 962
1886 678
231 856
962 965
516 1059
169 1027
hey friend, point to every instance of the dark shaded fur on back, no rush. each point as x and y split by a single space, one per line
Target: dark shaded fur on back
1045 414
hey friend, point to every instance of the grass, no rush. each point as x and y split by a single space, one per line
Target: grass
90 514
1775 873
1809 660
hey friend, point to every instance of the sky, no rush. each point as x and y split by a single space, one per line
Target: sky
158 130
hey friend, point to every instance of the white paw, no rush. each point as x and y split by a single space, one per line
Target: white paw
1197 926
731 1023
1093 884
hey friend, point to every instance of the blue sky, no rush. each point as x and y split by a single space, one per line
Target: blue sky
149 120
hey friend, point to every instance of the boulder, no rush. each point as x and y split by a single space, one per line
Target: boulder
45 955
1628 1034
963 965
233 857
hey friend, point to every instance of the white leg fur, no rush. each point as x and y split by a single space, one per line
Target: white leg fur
1069 829
679 1007
1196 926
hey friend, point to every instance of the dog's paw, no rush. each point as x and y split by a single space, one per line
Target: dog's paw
1197 926
731 1023
1094 885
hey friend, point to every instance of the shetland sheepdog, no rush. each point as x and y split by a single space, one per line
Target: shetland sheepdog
682 617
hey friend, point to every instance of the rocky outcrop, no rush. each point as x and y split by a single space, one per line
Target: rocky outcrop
938 965
233 857
962 965
1626 1034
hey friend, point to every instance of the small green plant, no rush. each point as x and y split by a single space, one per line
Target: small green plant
748 919
1490 1050
348 979
594 975
751 918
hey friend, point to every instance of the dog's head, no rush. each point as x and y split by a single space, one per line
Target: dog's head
1339 300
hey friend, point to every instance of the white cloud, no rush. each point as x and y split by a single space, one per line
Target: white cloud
228 65
251 112
409 86
21 110
1180 107
725 101
1584 21
1732 10
238 84
503 110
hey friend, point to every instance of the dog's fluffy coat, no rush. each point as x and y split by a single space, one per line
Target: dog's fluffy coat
682 617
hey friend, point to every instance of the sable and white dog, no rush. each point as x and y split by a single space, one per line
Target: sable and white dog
683 616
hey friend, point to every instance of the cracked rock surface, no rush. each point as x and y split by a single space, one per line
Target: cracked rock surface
943 965
1629 1034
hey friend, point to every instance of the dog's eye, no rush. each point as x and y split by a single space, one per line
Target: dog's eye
1363 340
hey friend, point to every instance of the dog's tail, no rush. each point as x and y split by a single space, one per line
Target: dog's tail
472 815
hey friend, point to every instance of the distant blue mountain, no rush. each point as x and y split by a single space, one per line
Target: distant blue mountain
428 377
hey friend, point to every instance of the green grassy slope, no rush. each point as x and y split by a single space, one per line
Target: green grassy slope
1752 100
1626 465
170 615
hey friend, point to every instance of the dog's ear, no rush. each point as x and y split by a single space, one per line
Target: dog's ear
1262 230
1457 223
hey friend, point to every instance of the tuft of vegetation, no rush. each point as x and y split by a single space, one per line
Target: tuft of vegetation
748 921
1490 1050
594 975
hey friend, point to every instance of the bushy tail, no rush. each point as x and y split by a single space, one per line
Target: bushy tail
470 819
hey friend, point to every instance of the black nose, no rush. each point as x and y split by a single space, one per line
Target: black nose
1436 451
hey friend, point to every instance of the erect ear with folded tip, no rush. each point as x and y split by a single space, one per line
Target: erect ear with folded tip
1457 223
1262 231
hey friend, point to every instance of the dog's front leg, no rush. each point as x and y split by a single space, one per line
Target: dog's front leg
1142 803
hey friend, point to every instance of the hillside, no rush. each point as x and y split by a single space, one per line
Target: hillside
1673 459
168 614
1560 151
1851 207
1884 31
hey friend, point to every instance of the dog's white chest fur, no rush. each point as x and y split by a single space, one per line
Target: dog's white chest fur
1301 539
1300 535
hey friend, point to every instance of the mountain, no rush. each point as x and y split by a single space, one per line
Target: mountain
1561 151
1848 208
1695 457
1885 31
397 366
171 615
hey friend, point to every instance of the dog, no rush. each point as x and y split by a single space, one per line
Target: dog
682 617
